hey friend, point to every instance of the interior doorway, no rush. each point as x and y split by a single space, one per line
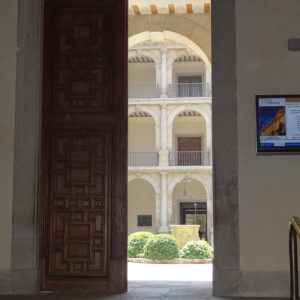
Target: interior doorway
75 90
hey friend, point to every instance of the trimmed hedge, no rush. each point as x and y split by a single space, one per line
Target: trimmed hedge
161 247
197 250
137 242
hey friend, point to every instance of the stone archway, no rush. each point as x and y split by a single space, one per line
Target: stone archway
155 115
204 111
205 181
153 181
165 36
171 36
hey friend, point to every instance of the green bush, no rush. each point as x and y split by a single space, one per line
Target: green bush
161 247
197 250
136 243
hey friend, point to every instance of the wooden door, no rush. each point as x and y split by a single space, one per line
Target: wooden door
189 151
84 147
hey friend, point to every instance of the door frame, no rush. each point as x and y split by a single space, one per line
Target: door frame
24 274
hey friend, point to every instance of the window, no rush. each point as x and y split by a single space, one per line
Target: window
144 220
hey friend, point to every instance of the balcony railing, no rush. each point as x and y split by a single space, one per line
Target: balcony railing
177 90
189 158
189 90
143 159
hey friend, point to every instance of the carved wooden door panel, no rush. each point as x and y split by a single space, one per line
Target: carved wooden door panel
84 147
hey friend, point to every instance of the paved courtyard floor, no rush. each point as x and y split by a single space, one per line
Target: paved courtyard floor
170 272
155 282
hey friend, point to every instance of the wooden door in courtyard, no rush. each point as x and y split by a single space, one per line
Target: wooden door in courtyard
84 147
189 151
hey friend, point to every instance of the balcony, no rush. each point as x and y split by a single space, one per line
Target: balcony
176 158
176 90
189 158
143 159
189 90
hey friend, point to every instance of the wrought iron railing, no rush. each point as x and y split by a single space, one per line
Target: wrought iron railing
143 159
293 253
189 158
190 90
142 90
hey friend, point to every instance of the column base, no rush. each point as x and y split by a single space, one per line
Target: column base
164 229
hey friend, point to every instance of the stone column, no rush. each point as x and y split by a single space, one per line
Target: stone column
164 74
208 86
164 228
163 153
208 139
157 212
210 216
157 77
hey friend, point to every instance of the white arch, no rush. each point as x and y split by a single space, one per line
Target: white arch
203 111
197 177
167 36
150 179
154 115
178 179
205 181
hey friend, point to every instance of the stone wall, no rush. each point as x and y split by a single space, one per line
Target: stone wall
8 61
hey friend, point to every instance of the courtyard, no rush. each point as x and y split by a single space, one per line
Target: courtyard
169 273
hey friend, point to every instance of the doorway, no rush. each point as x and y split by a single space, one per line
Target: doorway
169 103
223 15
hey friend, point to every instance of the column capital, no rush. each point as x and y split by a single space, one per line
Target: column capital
163 106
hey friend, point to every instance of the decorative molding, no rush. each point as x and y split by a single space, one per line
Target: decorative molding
147 7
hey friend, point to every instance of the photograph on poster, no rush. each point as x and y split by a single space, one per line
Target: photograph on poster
278 123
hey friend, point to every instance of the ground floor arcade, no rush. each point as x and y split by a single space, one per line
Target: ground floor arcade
158 199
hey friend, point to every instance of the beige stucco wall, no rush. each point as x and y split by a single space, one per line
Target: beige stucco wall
141 79
189 127
269 188
141 201
141 135
8 33
195 192
195 27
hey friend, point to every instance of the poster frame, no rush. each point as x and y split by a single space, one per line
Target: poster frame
279 150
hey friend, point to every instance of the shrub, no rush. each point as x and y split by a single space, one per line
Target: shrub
161 247
197 250
136 243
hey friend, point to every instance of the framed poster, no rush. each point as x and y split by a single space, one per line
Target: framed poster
278 123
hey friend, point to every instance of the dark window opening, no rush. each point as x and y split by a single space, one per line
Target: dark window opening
144 220
194 213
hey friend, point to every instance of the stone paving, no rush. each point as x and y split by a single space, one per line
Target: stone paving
154 282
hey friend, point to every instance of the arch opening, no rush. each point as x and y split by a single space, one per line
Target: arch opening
141 76
172 53
141 206
142 139
189 204
189 139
